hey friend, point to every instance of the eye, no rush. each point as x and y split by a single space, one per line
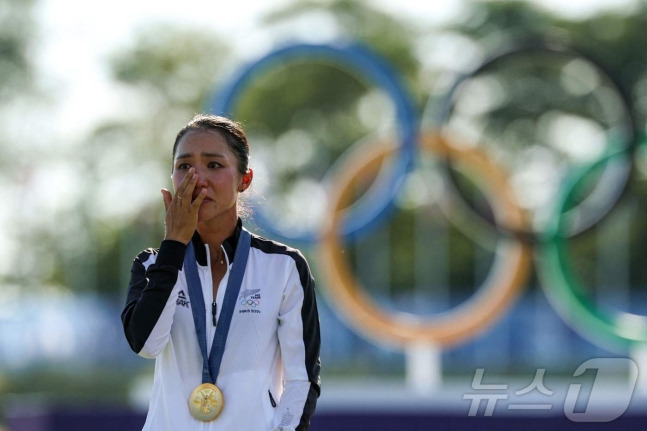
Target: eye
183 166
213 165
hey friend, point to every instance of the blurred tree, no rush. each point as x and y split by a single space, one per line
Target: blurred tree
617 40
168 74
164 77
17 84
16 35
360 21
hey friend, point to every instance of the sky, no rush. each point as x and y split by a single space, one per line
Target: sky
76 37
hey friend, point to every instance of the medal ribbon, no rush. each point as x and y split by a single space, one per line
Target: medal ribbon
211 363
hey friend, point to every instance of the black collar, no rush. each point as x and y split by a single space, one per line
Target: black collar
229 245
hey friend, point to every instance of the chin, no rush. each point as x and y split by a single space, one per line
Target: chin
210 212
205 214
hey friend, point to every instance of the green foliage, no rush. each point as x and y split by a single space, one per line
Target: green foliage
487 19
100 386
16 38
176 66
358 20
618 40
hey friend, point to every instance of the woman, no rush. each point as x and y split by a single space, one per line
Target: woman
266 377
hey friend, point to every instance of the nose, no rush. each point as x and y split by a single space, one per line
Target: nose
202 179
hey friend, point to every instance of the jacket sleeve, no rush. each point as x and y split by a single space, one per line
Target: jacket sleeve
299 339
150 305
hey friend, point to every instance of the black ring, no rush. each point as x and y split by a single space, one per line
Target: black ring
628 127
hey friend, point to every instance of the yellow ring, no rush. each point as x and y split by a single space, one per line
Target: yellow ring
508 274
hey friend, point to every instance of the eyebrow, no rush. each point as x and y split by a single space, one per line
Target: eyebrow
204 155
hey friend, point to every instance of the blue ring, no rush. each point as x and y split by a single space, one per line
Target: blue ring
359 59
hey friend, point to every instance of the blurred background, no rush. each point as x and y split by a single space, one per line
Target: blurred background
92 95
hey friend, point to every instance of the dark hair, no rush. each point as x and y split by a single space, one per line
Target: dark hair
231 130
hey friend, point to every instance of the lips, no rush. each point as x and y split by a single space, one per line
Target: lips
206 198
196 193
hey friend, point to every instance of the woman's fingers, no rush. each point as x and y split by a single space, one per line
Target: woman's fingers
181 209
186 185
168 197
187 195
198 200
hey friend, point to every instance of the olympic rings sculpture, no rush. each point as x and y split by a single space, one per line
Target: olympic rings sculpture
516 238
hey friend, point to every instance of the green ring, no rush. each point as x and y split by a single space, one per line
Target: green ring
612 329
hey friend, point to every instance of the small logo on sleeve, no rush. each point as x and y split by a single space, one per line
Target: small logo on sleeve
182 299
250 300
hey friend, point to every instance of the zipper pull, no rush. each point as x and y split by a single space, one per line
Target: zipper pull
214 310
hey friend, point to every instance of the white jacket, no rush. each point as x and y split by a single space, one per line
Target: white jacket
270 368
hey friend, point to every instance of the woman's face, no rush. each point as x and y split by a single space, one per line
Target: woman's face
217 168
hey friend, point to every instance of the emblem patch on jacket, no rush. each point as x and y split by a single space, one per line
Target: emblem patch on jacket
249 300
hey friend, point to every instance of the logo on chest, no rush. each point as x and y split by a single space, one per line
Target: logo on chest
250 300
182 299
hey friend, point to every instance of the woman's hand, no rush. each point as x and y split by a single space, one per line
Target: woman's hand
181 211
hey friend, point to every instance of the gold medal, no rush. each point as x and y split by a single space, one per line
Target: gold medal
206 402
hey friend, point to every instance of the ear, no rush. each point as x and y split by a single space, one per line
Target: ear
247 181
